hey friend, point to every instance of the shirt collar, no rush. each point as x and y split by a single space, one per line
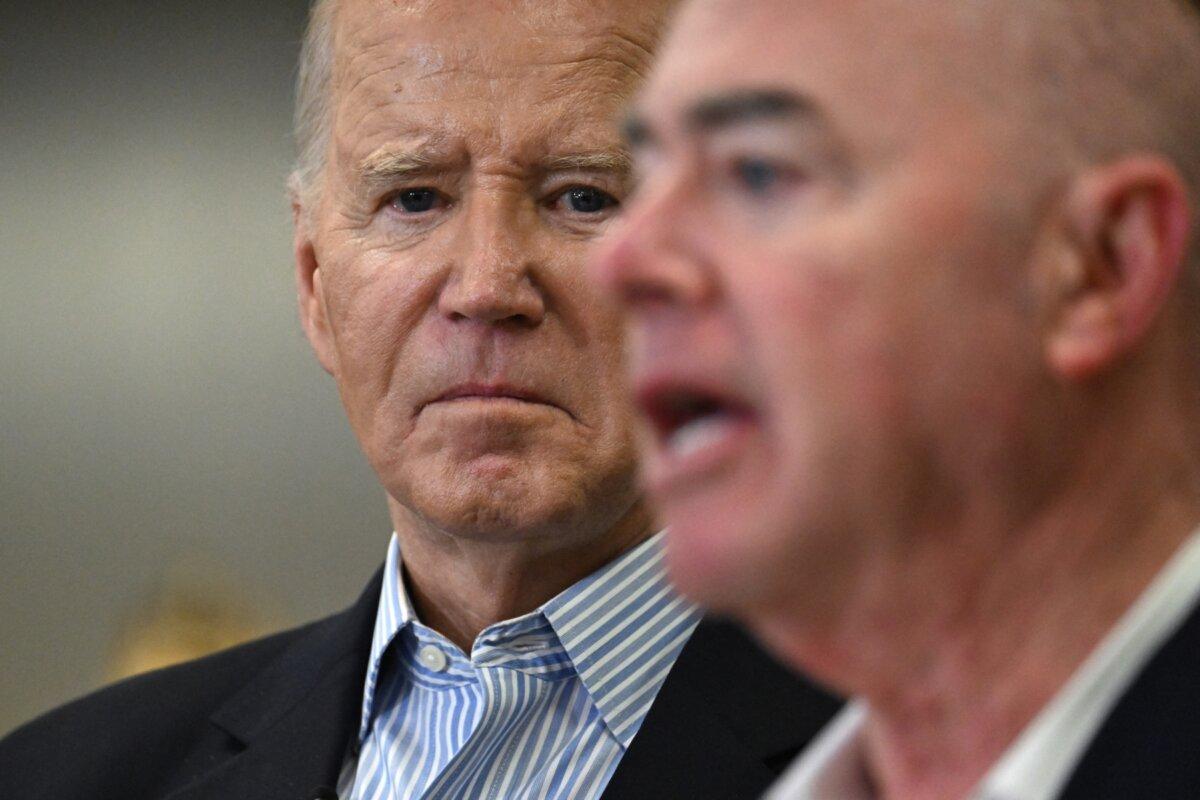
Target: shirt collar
621 628
393 616
1040 761
833 764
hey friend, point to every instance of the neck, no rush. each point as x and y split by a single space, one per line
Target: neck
955 655
994 665
461 584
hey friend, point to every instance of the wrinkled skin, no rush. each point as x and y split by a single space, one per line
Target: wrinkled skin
474 157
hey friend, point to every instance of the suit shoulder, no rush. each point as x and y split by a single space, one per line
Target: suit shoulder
155 718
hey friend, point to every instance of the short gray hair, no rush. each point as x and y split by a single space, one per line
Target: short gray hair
313 115
1105 78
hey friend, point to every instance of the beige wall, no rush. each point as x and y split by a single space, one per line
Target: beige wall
157 401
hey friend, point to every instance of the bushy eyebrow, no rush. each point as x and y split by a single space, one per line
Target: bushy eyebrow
384 166
730 109
616 161
742 107
387 165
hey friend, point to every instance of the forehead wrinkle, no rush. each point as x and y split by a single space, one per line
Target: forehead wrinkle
346 93
618 47
600 76
589 70
591 73
612 46
365 45
451 56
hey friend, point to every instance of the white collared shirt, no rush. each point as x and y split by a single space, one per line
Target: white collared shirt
1038 764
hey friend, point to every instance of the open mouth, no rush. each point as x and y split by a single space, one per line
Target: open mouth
691 420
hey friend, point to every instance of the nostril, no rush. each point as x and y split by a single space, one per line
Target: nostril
646 294
507 311
517 302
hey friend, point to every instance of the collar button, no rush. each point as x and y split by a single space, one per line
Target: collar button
432 658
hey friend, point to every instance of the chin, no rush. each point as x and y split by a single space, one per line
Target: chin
474 508
503 499
750 546
514 487
710 556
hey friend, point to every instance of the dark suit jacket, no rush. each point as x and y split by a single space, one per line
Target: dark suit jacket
1149 747
271 720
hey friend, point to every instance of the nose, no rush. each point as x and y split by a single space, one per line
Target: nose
493 279
648 258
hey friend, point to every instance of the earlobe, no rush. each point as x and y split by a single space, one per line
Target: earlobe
1127 225
311 300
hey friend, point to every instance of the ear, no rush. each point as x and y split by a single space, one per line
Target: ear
314 315
1126 229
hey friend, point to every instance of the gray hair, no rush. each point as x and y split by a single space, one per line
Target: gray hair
1103 78
313 116
1133 74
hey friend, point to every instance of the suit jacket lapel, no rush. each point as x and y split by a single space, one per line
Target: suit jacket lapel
1148 746
726 721
724 724
295 719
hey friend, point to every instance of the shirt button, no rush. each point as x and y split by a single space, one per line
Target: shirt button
432 658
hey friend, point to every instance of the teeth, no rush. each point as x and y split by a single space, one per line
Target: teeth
698 434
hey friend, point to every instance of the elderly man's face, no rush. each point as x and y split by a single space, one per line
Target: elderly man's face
474 157
826 267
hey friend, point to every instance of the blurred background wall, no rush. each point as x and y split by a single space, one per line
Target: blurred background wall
159 409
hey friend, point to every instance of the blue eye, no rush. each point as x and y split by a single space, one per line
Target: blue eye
415 201
588 199
757 176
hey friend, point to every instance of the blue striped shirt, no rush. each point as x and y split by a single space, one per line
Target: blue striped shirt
545 705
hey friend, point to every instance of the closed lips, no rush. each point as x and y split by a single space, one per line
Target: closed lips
486 391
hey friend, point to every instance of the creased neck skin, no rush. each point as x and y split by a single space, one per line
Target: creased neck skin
473 157
960 658
459 586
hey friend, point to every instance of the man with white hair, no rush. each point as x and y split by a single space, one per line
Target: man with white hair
456 159
915 302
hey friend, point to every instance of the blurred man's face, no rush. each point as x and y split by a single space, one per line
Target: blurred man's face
474 157
825 266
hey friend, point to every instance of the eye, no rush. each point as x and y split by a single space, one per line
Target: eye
587 200
759 176
415 201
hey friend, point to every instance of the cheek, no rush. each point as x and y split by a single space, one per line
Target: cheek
820 334
591 345
375 306
831 348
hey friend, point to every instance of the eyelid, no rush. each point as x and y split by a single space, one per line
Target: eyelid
557 185
566 191
784 173
609 182
436 179
558 203
388 202
781 165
